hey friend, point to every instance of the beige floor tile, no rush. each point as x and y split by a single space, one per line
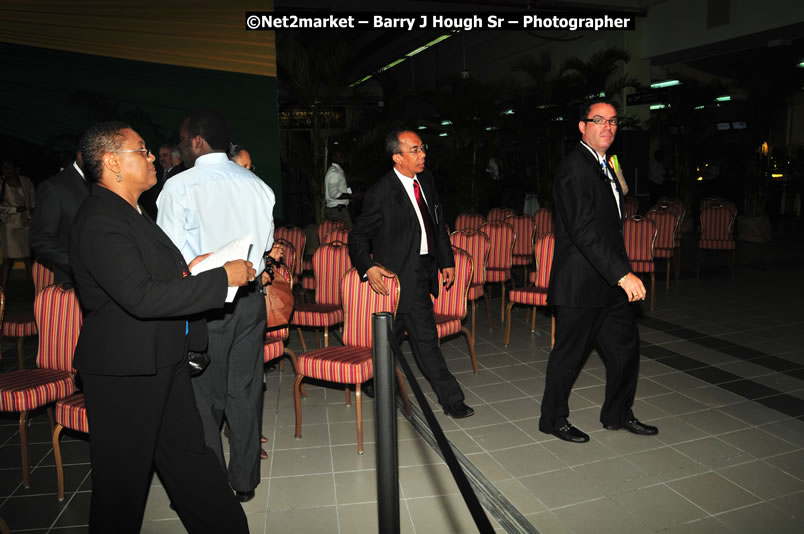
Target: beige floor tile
314 520
615 475
665 463
626 443
356 487
763 479
257 521
313 414
714 422
601 515
499 436
757 442
531 428
292 462
162 526
548 522
753 413
791 463
463 441
471 380
297 492
518 372
345 458
791 430
676 430
501 359
561 488
649 388
489 466
707 525
713 493
713 396
676 404
157 507
579 453
497 392
416 452
520 497
658 507
344 433
313 435
761 518
514 410
446 513
528 460
713 453
484 416
530 386
792 504
426 481
358 518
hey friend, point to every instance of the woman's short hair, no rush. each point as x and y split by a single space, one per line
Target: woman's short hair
98 140
234 150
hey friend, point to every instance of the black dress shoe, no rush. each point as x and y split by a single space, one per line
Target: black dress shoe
244 496
460 411
368 390
570 433
635 427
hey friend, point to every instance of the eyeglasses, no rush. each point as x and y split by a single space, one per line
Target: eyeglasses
600 121
147 152
416 149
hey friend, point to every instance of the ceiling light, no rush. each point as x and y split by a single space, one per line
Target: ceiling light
446 123
443 134
422 128
507 112
724 98
658 106
666 83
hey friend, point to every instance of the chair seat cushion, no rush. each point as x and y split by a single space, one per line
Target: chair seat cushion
273 349
317 315
344 365
715 244
523 259
447 325
531 296
475 292
19 324
27 389
72 413
497 275
639 266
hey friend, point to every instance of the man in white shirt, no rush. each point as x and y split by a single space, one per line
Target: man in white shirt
336 192
205 207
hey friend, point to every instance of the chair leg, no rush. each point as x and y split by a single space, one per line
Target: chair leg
297 403
51 416
326 336
507 325
470 340
301 339
533 319
553 331
359 415
403 390
295 364
502 301
59 466
652 290
26 475
473 317
667 282
317 339
488 309
348 397
21 352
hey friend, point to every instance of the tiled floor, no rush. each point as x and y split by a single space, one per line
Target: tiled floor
721 376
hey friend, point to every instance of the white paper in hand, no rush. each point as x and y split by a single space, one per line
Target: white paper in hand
233 250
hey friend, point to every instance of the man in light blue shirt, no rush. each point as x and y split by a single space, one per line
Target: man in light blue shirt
205 207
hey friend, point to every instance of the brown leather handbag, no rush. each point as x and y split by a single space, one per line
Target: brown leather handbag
279 300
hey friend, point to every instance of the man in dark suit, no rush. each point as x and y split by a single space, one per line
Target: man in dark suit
402 223
57 201
591 283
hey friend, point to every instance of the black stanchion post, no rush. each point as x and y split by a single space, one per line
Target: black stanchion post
385 424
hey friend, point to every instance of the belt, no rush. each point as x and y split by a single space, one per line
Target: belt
338 207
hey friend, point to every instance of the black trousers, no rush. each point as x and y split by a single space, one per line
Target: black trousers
231 386
136 422
615 331
419 323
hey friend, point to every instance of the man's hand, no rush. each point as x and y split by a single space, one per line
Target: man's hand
376 279
277 251
449 276
196 260
239 272
633 287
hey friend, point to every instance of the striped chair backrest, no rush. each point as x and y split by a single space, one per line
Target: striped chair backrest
717 222
499 214
336 234
328 225
631 207
330 263
359 303
639 234
543 253
280 333
2 315
295 235
524 226
544 222
666 222
468 221
501 239
476 243
289 255
58 318
452 301
42 276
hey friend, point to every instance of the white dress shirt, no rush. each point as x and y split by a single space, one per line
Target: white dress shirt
602 163
335 186
213 203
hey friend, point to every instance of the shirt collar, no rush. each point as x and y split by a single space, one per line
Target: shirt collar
403 177
77 168
594 153
211 158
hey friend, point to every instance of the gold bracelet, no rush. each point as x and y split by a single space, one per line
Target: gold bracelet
620 281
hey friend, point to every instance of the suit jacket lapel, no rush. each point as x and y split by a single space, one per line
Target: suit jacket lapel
598 173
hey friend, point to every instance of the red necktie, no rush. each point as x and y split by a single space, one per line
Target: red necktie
428 223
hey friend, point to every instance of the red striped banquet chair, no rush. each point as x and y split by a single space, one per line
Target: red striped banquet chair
666 222
544 222
639 234
468 221
536 293
525 227
499 214
717 232
502 239
450 306
351 363
330 263
289 256
58 317
336 234
21 323
476 243
326 226
631 207
294 235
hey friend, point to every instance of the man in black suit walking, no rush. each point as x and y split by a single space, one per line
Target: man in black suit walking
402 223
591 283
57 201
